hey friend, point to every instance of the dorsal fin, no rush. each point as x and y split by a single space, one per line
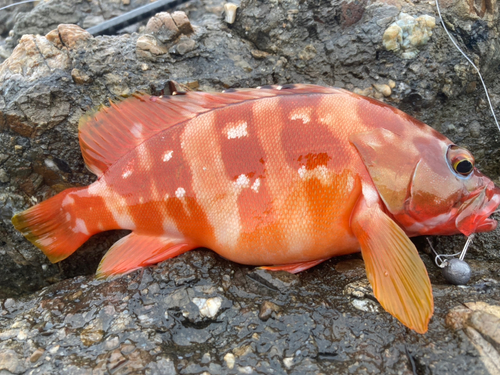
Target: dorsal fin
110 132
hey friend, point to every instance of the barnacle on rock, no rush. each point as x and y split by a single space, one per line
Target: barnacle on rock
408 33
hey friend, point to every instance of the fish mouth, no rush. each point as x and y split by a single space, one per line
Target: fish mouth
474 214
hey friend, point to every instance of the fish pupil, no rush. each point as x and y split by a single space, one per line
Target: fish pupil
464 167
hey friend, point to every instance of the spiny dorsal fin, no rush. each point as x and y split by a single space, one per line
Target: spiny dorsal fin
111 132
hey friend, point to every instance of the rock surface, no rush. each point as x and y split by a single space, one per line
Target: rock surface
199 313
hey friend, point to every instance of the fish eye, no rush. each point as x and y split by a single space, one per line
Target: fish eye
464 167
460 160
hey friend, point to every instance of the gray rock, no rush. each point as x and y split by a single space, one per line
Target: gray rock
81 325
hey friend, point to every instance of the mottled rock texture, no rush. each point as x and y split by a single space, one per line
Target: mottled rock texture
310 325
199 314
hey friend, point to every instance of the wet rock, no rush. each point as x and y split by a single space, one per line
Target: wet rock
267 309
278 281
148 47
351 268
311 331
183 46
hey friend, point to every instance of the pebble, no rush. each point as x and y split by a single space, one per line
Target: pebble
366 304
91 336
230 11
36 355
230 360
208 307
80 77
383 89
266 310
182 22
359 289
111 343
288 362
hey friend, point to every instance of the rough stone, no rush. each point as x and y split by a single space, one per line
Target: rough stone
182 22
408 33
163 27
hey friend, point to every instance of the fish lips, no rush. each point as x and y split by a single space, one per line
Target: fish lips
474 214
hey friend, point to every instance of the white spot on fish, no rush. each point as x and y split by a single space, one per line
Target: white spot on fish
145 160
81 227
141 200
123 219
67 200
321 172
242 181
180 193
166 197
279 87
127 173
136 130
256 185
301 116
100 226
167 156
236 130
94 189
68 216
302 171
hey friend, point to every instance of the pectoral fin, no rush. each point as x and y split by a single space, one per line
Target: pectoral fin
397 274
135 251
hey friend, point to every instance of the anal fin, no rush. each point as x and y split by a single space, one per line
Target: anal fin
396 273
135 251
295 267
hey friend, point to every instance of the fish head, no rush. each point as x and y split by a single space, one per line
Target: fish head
449 195
429 185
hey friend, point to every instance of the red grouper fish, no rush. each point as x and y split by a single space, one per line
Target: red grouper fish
282 176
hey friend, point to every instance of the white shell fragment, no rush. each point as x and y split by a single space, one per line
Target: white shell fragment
230 11
208 307
365 304
407 33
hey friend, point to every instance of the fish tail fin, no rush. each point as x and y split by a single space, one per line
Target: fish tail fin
51 226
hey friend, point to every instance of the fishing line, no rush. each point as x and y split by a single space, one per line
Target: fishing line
470 62
457 271
19 3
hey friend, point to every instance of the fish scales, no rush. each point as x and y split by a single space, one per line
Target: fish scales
278 177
